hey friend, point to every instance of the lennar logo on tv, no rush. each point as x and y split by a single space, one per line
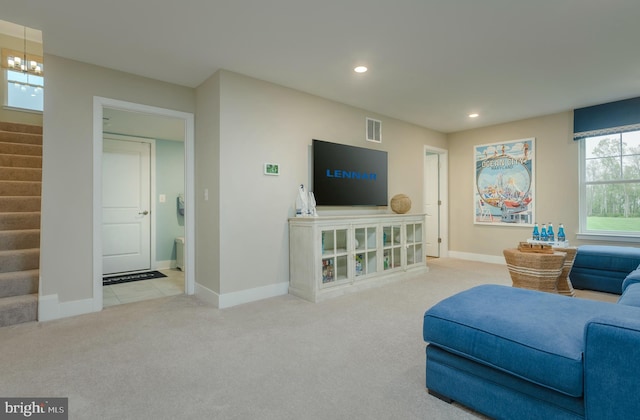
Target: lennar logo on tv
40 408
337 173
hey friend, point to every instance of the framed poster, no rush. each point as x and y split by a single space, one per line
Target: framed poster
504 184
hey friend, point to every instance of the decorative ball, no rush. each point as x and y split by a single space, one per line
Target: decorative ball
400 203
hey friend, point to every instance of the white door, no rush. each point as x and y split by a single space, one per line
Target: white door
432 204
126 196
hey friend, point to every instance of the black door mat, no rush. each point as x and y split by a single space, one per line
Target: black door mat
126 278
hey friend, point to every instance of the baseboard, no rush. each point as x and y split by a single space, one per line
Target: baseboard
50 308
165 265
228 300
493 259
207 295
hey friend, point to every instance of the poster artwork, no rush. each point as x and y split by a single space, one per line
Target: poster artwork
504 183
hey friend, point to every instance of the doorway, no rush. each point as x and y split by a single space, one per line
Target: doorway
104 243
435 206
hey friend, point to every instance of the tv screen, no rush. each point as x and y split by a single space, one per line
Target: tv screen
348 175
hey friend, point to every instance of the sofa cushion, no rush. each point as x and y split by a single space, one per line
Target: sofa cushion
533 335
624 259
632 278
631 295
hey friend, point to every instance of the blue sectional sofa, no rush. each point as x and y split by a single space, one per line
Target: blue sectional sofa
605 268
515 353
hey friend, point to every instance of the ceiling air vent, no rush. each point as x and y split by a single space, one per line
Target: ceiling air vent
374 130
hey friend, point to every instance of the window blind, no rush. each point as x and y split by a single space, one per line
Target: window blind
612 117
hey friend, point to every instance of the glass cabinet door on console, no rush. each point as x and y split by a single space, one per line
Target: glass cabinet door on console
334 247
391 245
414 244
366 250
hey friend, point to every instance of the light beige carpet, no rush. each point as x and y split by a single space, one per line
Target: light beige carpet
359 356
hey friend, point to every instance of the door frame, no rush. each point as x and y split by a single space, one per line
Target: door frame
443 186
152 189
189 177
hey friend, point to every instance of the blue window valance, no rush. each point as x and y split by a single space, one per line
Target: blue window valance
612 117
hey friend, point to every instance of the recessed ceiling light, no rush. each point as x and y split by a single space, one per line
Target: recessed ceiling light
474 115
360 69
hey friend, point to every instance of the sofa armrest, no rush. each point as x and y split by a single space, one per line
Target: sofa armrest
611 368
631 296
632 278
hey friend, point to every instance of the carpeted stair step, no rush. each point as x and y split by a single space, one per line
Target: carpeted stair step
20 188
20 204
21 149
21 138
19 259
20 128
17 161
20 174
20 220
18 309
18 283
19 239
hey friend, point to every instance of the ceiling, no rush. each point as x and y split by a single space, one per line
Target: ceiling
431 62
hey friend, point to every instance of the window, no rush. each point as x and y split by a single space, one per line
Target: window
24 79
610 184
25 91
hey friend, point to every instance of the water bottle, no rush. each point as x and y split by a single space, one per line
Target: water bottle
550 233
561 235
543 233
536 232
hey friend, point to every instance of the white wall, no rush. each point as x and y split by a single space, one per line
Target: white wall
66 240
207 161
241 123
261 122
556 182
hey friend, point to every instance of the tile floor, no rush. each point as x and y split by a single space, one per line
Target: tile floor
136 291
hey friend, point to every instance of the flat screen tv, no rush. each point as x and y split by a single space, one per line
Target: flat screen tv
348 176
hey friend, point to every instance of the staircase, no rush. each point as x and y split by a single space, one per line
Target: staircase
20 186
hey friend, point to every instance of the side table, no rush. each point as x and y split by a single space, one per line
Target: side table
564 282
536 271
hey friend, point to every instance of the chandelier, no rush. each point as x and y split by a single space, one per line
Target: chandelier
21 61
24 71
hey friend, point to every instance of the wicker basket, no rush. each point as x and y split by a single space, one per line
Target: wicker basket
564 282
533 270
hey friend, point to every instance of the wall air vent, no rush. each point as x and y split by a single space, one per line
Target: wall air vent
374 130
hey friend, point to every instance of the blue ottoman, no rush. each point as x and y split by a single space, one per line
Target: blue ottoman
522 354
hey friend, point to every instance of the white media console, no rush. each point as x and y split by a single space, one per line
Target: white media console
333 255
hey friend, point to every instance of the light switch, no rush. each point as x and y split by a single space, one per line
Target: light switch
163 198
206 194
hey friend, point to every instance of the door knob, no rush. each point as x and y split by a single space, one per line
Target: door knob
144 213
